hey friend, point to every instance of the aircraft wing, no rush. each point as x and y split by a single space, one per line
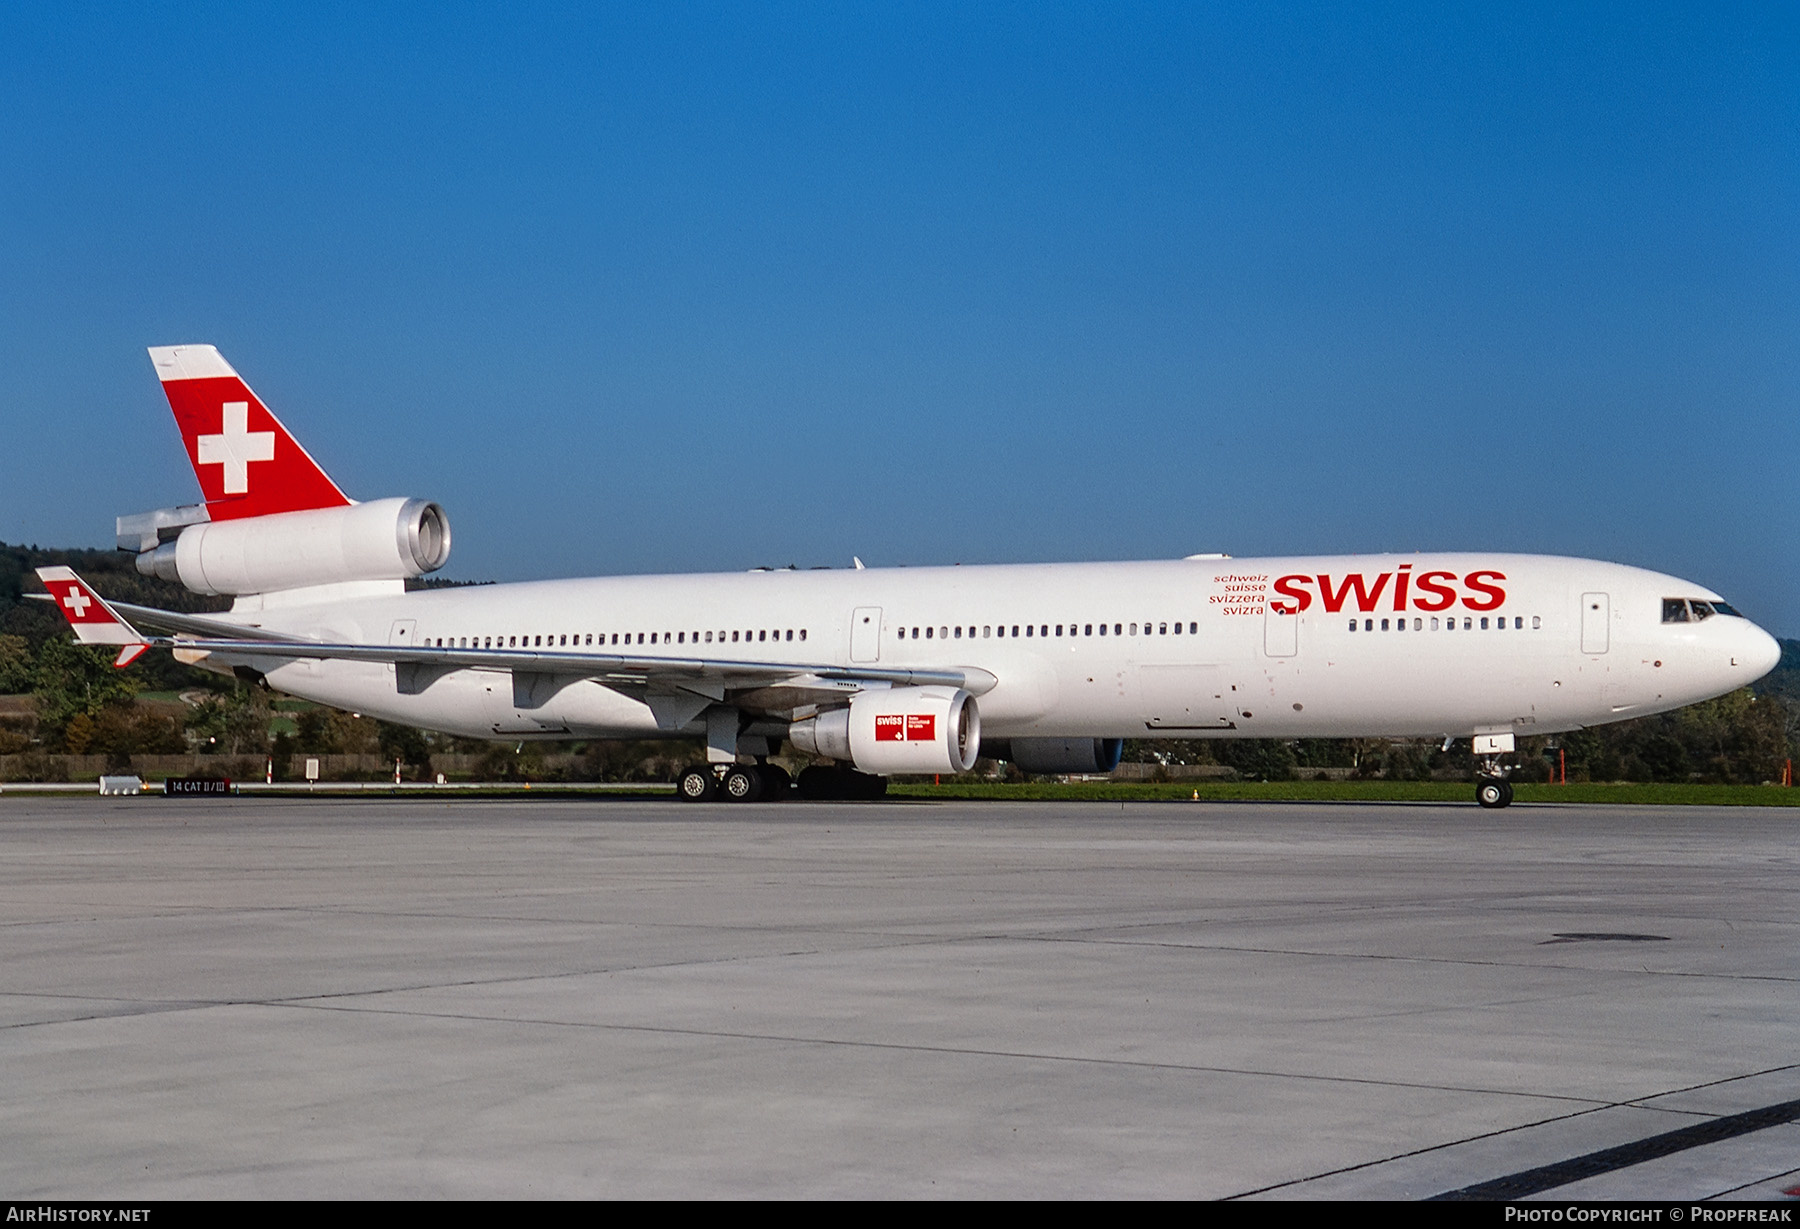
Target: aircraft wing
677 688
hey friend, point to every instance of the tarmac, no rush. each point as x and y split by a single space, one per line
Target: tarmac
411 997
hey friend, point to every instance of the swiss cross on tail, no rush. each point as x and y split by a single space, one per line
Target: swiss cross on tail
247 463
87 612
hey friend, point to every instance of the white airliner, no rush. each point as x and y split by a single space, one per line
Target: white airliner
884 671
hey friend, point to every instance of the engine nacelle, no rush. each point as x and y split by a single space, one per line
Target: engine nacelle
387 539
1049 755
903 729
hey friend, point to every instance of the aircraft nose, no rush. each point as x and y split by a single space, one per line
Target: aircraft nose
1760 652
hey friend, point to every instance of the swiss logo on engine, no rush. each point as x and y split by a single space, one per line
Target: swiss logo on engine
910 727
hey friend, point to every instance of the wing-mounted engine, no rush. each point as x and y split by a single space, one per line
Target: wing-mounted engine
386 539
898 729
1057 755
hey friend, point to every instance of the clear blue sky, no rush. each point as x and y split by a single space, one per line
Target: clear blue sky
669 288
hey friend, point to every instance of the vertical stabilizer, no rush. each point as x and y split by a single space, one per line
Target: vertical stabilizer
246 462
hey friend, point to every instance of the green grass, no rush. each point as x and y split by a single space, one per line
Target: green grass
1356 791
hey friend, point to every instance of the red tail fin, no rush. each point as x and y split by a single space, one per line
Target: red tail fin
247 463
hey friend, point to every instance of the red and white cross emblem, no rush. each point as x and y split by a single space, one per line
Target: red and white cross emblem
236 446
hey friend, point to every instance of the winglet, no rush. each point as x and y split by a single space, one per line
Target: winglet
246 461
94 621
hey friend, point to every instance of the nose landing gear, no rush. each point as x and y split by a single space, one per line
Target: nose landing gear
1493 792
1492 789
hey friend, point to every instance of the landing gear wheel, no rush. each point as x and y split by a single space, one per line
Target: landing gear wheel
1493 793
697 784
818 783
777 784
742 784
841 784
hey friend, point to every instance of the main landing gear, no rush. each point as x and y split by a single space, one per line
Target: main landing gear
771 783
734 783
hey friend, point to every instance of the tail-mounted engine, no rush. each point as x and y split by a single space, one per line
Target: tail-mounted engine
387 539
902 729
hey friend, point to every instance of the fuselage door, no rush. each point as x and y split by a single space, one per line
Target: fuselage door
1596 612
1281 631
865 634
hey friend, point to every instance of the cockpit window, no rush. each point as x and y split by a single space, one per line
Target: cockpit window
1694 609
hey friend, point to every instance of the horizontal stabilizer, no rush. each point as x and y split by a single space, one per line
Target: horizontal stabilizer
94 621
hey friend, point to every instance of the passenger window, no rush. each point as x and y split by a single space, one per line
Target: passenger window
1518 623
734 637
1353 625
1059 629
803 633
1368 625
959 632
928 633
1536 622
1419 624
1162 629
1484 623
1434 623
1027 631
762 635
1193 629
1178 629
987 630
1134 629
1015 631
943 633
1384 625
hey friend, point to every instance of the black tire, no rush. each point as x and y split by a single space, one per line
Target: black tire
741 784
1507 786
777 784
1492 793
840 784
697 784
819 784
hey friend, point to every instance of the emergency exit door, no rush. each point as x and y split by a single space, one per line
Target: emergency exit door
865 634
1596 620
